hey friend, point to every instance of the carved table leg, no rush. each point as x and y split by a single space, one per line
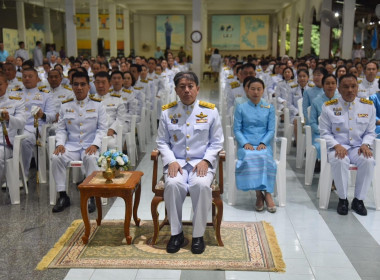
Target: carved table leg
83 207
128 216
136 204
99 207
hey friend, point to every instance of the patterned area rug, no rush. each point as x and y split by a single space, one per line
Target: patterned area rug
247 246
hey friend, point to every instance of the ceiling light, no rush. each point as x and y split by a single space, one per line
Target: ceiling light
3 6
336 14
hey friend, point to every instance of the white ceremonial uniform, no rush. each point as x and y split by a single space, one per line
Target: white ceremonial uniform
132 99
43 100
349 124
144 87
16 84
81 124
236 91
282 92
23 53
189 134
115 109
15 106
366 88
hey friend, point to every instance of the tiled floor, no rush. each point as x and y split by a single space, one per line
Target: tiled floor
315 244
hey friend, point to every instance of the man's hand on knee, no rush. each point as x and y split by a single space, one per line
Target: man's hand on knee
365 150
59 150
340 151
173 169
91 150
201 168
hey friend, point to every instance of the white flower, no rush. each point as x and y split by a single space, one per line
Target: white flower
119 160
104 163
113 151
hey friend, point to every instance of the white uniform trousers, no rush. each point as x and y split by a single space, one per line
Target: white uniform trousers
60 162
201 197
27 149
340 172
8 154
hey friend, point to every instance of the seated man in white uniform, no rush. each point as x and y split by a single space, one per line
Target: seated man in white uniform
82 125
113 103
348 126
189 139
12 114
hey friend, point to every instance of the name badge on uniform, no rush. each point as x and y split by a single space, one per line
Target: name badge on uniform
363 115
337 109
90 110
337 113
110 105
69 110
175 138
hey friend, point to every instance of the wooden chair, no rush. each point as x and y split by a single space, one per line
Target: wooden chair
217 202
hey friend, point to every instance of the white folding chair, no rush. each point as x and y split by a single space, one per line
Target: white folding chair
72 164
311 156
301 147
130 141
42 154
325 179
288 129
12 174
141 126
148 129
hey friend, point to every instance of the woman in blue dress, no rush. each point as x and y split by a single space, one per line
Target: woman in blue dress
254 126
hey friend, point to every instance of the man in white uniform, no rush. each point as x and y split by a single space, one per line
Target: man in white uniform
82 125
348 126
189 138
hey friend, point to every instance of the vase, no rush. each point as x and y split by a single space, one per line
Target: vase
109 173
116 172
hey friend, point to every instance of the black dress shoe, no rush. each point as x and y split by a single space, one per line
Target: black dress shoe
61 204
358 206
91 205
197 245
175 243
342 207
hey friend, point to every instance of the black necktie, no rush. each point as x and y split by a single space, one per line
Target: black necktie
302 91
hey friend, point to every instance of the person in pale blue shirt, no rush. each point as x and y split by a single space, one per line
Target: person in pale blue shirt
310 94
375 98
254 127
329 85
3 53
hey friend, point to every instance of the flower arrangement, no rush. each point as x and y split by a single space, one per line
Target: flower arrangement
118 160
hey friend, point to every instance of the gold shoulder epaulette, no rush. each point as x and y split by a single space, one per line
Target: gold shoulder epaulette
19 79
127 90
310 85
167 106
272 75
259 70
41 87
234 84
144 81
331 102
366 101
115 95
138 88
360 81
294 86
377 77
67 100
230 77
15 97
44 90
207 104
290 81
67 87
95 99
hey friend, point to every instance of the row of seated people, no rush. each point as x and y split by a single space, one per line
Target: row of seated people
116 93
316 94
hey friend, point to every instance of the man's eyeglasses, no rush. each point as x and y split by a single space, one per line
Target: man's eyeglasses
79 84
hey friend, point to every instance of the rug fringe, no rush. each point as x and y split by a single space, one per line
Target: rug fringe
274 248
49 257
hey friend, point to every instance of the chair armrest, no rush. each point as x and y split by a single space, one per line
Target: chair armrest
155 154
222 155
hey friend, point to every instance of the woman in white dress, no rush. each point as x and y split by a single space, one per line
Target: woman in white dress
215 63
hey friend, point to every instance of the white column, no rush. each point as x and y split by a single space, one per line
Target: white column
197 47
136 33
307 21
274 36
204 33
94 26
324 47
112 30
348 28
71 29
283 39
126 33
20 12
293 33
47 25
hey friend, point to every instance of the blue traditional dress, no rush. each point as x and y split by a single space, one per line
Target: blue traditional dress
375 98
255 124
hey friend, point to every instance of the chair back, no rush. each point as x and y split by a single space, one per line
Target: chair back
300 111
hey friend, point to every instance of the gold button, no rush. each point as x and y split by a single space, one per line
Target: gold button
187 148
350 138
350 128
188 112
350 119
349 108
80 115
187 136
187 159
80 124
187 124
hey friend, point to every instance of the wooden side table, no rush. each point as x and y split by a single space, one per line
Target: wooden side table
124 186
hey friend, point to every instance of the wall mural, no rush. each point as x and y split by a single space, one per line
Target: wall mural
83 21
248 32
170 31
